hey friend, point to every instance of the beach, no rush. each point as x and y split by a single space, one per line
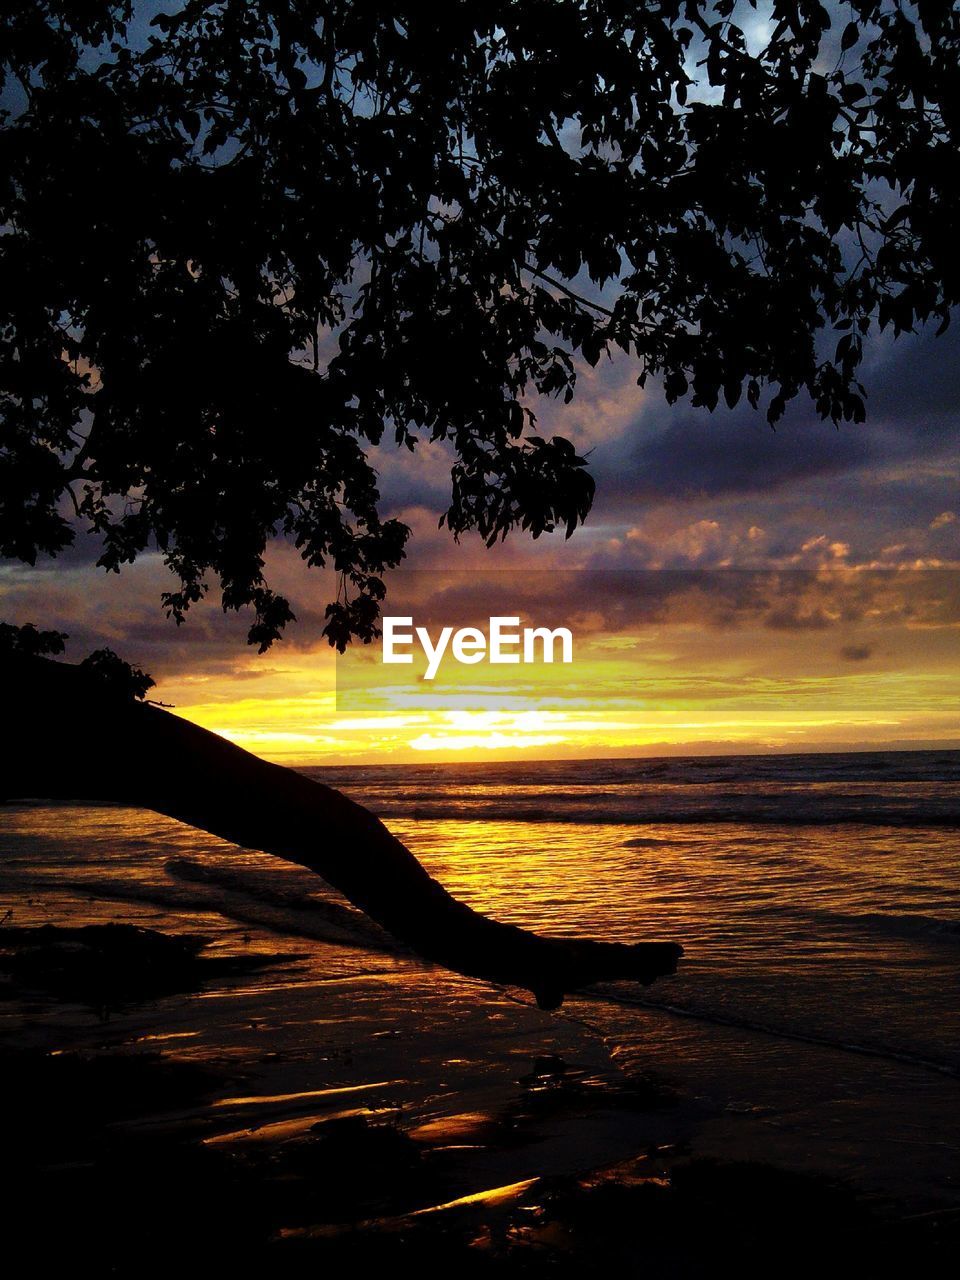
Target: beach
290 1084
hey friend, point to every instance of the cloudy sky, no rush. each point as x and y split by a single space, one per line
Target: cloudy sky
713 661
678 646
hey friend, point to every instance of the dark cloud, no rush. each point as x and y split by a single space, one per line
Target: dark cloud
856 652
913 385
623 601
790 618
696 456
681 453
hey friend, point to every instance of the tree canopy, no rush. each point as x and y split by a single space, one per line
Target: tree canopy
243 241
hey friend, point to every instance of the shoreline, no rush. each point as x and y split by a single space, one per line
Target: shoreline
360 1113
302 1092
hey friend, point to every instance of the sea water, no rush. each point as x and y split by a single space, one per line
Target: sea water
817 899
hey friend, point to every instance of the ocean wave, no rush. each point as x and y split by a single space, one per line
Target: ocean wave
924 766
864 1049
244 898
300 912
903 924
808 811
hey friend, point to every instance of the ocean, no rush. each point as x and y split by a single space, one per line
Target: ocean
817 898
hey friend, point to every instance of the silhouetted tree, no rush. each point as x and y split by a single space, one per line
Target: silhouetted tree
245 240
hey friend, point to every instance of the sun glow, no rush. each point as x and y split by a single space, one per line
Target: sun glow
679 690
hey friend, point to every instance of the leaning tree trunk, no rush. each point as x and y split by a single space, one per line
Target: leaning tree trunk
71 738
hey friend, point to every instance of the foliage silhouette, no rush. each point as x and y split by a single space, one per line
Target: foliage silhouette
109 673
246 242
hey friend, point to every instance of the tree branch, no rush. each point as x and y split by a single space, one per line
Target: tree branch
138 754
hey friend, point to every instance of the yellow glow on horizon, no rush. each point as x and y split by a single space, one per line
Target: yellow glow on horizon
714 704
685 686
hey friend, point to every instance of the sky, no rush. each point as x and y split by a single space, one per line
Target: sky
735 588
844 634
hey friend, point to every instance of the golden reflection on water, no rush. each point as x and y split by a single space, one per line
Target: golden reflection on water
690 880
842 931
259 1100
771 916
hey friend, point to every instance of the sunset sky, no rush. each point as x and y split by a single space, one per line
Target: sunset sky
795 662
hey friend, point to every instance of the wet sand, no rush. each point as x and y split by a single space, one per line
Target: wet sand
303 1115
